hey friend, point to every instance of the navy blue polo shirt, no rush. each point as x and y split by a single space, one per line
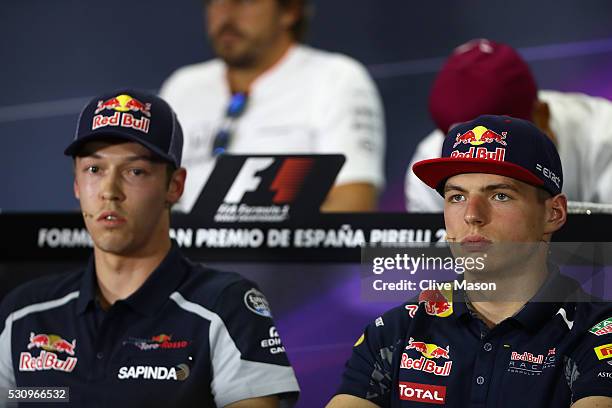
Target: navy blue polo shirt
189 336
437 352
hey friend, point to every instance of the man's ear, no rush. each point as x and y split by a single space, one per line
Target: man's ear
75 188
176 185
556 213
290 15
541 118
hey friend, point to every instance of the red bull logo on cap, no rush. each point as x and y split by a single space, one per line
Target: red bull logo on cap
480 135
123 105
51 342
429 353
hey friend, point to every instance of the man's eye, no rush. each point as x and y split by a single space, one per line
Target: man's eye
137 172
455 198
501 197
92 169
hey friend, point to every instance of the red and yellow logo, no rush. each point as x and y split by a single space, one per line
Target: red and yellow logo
604 352
124 103
480 135
51 342
437 302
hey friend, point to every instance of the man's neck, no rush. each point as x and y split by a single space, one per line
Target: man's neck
240 79
513 290
119 276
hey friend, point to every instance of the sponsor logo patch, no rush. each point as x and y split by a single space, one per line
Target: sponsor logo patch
603 327
412 309
257 303
437 302
177 373
122 105
604 352
426 363
531 364
51 342
46 360
161 341
431 394
479 136
274 343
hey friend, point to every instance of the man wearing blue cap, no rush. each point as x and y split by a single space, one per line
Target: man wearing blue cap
541 343
141 325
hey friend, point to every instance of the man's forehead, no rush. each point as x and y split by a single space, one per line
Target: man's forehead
481 181
115 147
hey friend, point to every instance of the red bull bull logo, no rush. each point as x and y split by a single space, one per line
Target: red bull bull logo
51 342
123 105
480 135
429 353
437 302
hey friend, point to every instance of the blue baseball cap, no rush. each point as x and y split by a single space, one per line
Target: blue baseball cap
500 145
132 115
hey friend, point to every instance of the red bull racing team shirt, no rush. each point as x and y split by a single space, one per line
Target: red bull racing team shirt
438 352
190 336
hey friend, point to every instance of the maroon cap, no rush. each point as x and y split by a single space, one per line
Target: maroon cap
482 77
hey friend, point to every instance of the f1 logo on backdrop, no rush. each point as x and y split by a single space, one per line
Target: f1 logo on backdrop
267 188
286 184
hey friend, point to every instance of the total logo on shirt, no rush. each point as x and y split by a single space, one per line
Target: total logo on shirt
431 394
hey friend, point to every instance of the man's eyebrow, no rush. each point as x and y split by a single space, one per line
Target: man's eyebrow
128 158
449 187
500 186
490 187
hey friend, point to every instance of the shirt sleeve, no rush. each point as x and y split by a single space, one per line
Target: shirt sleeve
248 356
352 123
589 369
420 197
368 373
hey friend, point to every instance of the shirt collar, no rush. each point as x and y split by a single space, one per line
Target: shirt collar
153 293
556 290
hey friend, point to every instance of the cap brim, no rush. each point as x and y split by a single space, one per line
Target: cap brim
434 172
74 147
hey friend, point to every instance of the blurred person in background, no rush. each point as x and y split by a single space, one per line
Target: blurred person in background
267 93
485 77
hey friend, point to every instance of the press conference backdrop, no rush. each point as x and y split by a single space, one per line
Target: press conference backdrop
56 54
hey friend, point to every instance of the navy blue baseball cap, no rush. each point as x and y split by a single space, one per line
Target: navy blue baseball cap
132 115
494 144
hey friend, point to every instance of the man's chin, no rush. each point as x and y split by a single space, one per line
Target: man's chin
114 245
235 57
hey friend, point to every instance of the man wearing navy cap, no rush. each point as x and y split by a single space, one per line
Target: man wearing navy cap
542 343
141 325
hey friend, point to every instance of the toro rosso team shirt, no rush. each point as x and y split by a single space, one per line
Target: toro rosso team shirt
437 352
190 336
